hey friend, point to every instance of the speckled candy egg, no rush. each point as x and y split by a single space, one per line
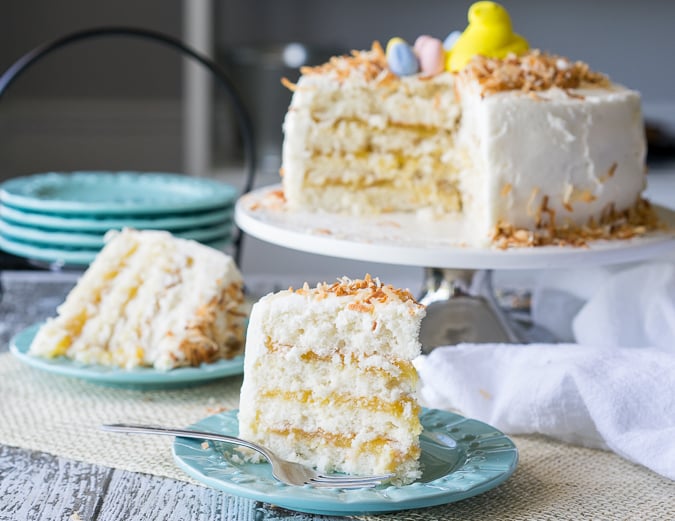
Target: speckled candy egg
401 58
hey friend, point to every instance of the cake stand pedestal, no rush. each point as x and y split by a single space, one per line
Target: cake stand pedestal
461 304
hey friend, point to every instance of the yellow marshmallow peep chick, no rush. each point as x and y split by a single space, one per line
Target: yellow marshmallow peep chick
489 33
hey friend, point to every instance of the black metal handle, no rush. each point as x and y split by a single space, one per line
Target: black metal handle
243 118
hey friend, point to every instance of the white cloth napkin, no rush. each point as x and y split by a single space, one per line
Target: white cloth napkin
613 388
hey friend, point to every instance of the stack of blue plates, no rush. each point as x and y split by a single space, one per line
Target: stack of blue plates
61 218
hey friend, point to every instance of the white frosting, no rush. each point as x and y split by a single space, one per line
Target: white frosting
584 154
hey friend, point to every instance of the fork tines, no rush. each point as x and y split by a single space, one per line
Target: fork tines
340 481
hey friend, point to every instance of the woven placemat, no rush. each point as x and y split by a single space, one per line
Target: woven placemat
61 415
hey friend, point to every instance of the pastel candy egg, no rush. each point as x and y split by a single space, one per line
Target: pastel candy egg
430 55
450 40
401 57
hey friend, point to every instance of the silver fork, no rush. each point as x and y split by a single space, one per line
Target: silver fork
287 472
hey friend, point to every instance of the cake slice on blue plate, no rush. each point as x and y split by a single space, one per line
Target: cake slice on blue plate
150 299
329 380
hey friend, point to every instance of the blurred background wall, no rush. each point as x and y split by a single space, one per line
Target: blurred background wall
118 104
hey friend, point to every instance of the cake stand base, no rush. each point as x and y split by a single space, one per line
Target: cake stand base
461 307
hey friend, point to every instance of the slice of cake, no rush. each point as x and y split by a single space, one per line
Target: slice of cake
328 377
528 148
150 299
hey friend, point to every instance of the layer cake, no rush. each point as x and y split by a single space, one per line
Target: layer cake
328 378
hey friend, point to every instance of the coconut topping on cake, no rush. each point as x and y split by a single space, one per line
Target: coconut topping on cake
363 290
531 72
369 65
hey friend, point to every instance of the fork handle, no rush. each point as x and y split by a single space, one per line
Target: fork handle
183 433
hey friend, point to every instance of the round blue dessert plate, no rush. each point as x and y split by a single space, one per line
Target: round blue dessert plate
460 458
114 193
98 223
146 378
96 240
70 256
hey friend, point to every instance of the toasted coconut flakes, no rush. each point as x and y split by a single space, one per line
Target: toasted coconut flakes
289 84
587 197
574 95
531 72
530 202
366 291
567 193
633 222
361 307
392 224
274 200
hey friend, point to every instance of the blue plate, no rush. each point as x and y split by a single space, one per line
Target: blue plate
146 378
70 256
460 458
115 193
102 224
95 240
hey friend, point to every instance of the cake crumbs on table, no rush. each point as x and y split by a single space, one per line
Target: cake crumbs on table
216 409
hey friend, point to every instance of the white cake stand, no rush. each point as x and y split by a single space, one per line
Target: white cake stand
460 302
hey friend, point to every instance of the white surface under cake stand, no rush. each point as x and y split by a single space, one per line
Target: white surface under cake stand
459 297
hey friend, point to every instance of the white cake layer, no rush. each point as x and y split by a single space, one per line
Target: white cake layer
389 381
375 169
351 115
406 100
328 458
382 199
358 137
328 325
